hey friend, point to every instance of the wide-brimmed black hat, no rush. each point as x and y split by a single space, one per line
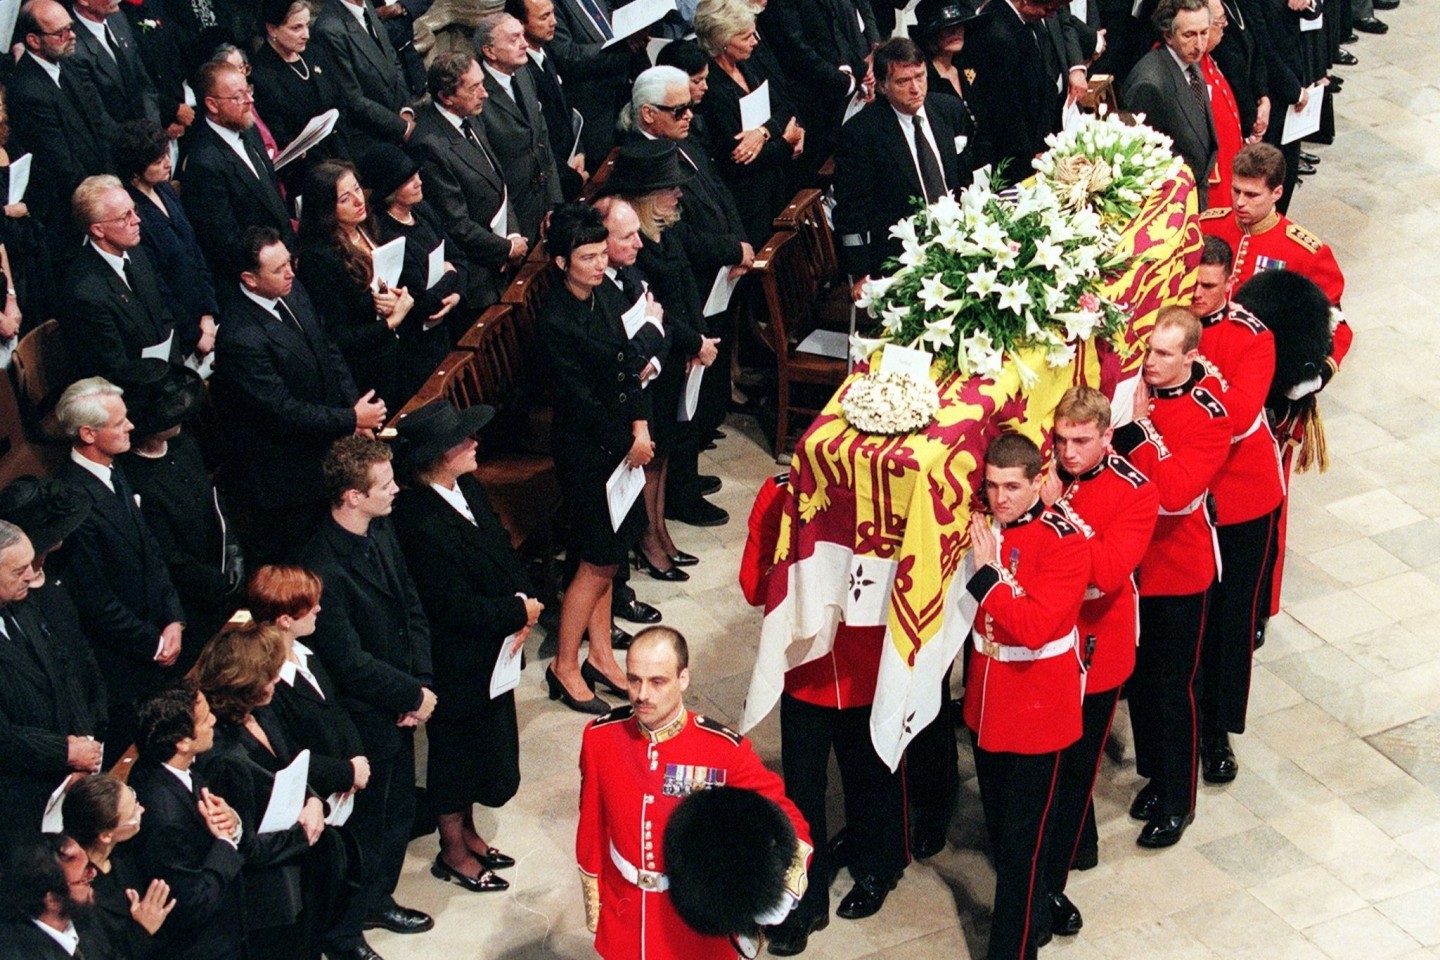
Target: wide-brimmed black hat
932 16
644 166
47 510
383 169
423 436
158 395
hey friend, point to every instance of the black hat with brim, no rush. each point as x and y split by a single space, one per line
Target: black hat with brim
423 436
645 166
47 510
158 394
932 16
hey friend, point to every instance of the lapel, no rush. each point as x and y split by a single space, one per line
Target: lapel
130 300
378 51
471 156
287 337
894 139
506 103
364 570
109 508
448 517
104 62
16 659
1196 115
261 186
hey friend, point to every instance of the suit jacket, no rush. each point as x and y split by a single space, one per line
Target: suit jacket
121 587
118 76
521 142
22 940
208 921
1157 88
106 322
285 395
1016 97
222 196
760 188
876 176
599 76
463 183
559 124
50 689
371 632
368 71
1241 60
316 720
185 282
818 37
68 136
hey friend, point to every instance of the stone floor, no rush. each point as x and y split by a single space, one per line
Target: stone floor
1328 844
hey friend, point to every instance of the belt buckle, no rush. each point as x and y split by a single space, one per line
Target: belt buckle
989 649
647 880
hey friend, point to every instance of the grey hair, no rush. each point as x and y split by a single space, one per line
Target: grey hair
717 21
485 30
10 535
1167 9
83 405
222 53
650 87
85 202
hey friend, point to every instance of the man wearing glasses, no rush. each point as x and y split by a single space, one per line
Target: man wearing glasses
56 118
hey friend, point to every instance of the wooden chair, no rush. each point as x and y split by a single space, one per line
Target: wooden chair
19 455
591 190
805 216
41 370
1101 92
789 290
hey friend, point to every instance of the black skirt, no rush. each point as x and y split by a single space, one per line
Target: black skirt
474 759
581 467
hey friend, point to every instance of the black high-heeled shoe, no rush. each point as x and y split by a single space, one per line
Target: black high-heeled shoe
682 559
593 675
558 692
673 575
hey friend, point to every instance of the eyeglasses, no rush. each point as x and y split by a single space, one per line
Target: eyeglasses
69 28
129 216
248 97
678 110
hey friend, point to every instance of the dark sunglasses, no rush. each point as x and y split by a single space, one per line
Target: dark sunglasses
677 111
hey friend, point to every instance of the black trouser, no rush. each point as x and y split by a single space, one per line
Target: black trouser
932 774
1016 791
380 823
1235 616
1079 766
1162 697
874 796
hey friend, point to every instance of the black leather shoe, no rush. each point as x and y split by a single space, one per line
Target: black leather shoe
1309 157
1042 938
1217 760
636 611
558 692
495 860
619 639
682 559
362 952
398 919
593 677
1386 4
707 483
697 513
866 898
791 937
1164 831
671 574
1305 169
1370 25
840 851
487 882
1065 919
1146 803
1346 59
1086 858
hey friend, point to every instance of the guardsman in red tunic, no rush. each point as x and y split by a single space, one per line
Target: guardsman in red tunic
1024 684
636 764
1115 506
1248 492
1180 439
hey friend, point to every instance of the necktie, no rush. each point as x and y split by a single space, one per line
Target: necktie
111 46
257 163
1197 85
125 269
931 179
468 126
287 316
602 23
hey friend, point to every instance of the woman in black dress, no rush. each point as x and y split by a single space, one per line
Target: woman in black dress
100 814
940 31
480 605
601 419
29 272
362 315
398 197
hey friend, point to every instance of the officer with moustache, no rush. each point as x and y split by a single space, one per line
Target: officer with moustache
1117 506
1180 438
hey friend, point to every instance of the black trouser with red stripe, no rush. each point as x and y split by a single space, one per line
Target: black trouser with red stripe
1162 698
932 774
1079 765
1235 614
1016 792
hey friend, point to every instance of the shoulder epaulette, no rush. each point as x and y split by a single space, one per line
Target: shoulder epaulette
1304 237
1215 213
614 716
716 727
1059 522
1127 471
1243 316
1066 510
1208 402
1214 371
1154 437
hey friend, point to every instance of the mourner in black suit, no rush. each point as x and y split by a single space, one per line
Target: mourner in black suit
825 44
538 19
372 635
118 578
111 308
596 74
54 118
191 838
399 17
52 698
105 51
881 166
463 179
515 123
46 887
228 181
285 394
479 602
161 41
1168 88
368 70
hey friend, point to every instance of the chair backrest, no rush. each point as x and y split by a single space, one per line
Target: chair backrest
788 290
447 382
591 190
41 369
19 455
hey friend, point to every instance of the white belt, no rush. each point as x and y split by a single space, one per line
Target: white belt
1190 507
1259 422
1009 653
644 879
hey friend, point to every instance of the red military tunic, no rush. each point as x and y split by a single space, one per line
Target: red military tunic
1118 505
1229 137
631 780
1180 446
1029 601
1242 351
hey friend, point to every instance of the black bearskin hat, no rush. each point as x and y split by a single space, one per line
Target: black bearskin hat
1297 311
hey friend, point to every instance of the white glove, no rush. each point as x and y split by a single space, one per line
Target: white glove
1305 388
